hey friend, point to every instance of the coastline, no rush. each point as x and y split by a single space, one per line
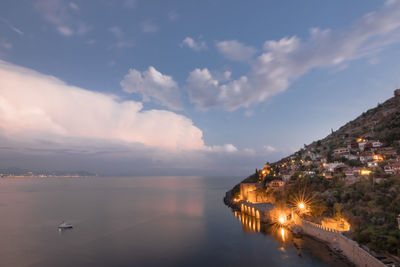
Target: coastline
300 231
42 176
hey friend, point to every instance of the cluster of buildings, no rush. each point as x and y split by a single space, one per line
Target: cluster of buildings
357 158
353 160
30 174
36 176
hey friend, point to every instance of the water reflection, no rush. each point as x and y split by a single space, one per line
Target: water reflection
282 230
62 231
251 224
149 221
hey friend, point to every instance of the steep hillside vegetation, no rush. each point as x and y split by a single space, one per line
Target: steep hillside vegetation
352 174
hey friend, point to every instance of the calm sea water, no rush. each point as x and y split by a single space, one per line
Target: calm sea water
139 221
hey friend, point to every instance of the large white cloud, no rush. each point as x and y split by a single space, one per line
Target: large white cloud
36 106
153 85
289 58
207 91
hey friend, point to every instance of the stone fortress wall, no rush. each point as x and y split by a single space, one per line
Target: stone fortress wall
254 205
336 239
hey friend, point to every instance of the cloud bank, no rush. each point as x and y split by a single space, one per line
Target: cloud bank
48 124
36 106
285 60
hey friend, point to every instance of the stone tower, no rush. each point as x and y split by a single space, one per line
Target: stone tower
397 93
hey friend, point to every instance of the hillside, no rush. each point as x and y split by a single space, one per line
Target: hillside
353 174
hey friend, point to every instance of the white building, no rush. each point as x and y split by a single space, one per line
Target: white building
366 158
392 168
351 157
330 167
361 145
376 144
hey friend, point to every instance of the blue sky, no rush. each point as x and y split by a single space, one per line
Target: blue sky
177 87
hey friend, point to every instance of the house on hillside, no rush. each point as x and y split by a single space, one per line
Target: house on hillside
372 164
340 152
365 145
331 167
309 173
286 174
276 184
376 144
366 157
392 168
351 157
353 172
361 145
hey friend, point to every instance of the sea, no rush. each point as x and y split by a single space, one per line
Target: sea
140 221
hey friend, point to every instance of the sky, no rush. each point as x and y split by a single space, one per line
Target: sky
210 87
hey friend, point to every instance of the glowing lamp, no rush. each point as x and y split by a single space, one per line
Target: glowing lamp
301 205
365 172
282 220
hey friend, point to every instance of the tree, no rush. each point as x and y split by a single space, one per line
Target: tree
337 207
317 210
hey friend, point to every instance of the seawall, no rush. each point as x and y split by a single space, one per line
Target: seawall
335 239
338 241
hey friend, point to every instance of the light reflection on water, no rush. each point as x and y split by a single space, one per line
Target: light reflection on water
251 224
287 242
151 221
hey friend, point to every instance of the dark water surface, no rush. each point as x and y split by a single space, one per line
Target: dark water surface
138 221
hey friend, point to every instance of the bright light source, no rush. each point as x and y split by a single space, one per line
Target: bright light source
365 172
301 205
281 219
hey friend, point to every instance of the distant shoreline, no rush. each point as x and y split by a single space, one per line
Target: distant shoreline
43 176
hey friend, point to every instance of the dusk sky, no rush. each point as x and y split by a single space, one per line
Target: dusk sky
143 87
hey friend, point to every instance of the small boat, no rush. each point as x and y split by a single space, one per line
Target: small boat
65 225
